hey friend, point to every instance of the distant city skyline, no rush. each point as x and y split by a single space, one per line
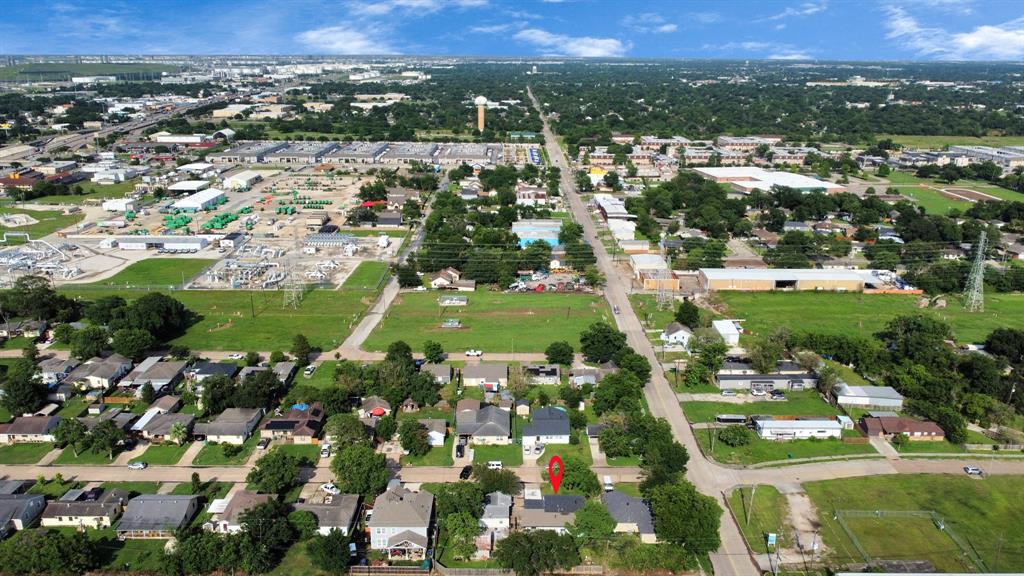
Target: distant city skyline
738 29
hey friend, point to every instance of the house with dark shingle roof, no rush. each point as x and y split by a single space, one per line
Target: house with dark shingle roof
79 513
549 425
19 511
156 516
300 424
337 512
29 429
632 515
483 424
232 426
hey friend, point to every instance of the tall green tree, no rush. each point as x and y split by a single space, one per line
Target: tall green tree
358 469
685 517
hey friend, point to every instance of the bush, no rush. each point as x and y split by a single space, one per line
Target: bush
735 435
231 450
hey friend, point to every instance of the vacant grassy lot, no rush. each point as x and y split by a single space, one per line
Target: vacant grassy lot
864 314
943 141
24 453
64 71
986 513
213 454
768 512
322 378
438 455
366 276
492 322
770 451
49 221
805 403
92 192
156 272
163 454
511 455
253 320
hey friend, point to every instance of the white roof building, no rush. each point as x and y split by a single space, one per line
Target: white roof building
728 331
200 200
189 186
798 429
748 178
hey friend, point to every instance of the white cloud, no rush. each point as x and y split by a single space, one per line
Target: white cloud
706 17
790 55
987 42
761 49
805 9
370 9
493 28
344 39
648 23
581 46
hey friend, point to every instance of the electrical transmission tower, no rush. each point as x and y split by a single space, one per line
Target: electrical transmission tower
293 288
974 296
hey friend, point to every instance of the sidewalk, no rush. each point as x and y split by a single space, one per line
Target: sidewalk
50 456
190 454
596 454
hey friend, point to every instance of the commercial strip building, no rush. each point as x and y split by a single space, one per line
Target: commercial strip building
800 279
746 179
880 397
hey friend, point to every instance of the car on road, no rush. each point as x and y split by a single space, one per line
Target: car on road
236 356
728 392
263 443
474 353
973 471
466 472
309 371
615 309
137 466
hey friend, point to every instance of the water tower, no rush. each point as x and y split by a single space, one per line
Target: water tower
481 109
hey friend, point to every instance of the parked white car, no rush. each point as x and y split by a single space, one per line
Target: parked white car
137 466
330 488
474 353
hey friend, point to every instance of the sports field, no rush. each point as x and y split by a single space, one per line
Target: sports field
984 513
943 141
864 314
492 322
927 192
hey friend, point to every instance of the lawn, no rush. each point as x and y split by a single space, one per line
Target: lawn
945 447
92 192
770 451
296 562
210 490
253 320
366 276
134 488
322 378
53 489
74 407
985 513
847 374
510 455
24 453
48 222
623 460
162 454
865 314
768 512
805 403
16 343
915 141
932 200
309 453
85 458
491 322
213 454
579 452
5 414
157 272
438 455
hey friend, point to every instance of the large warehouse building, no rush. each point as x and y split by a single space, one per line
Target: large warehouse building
201 200
752 280
746 179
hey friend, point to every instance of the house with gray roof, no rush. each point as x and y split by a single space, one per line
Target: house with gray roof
483 424
632 515
437 430
551 512
100 373
490 377
157 426
29 429
160 374
226 513
549 425
442 372
546 374
54 370
882 397
401 522
81 513
232 426
19 511
156 516
336 512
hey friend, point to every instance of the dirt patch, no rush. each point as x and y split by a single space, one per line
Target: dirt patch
803 517
967 195
222 327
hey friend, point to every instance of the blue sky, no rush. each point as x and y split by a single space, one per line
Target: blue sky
747 29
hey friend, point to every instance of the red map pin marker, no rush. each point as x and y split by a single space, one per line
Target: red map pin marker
556 477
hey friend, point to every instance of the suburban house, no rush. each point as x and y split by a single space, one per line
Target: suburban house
437 430
543 374
337 512
490 377
445 278
19 511
551 512
100 373
675 334
889 426
74 511
226 513
232 426
582 376
98 413
165 404
821 428
29 429
202 370
55 370
632 515
301 425
374 406
284 371
880 397
400 524
27 328
549 425
495 523
758 383
155 371
482 425
157 426
156 516
442 372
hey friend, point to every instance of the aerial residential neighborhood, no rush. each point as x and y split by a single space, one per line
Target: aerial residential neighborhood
668 288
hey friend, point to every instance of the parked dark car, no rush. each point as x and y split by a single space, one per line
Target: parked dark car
466 472
460 451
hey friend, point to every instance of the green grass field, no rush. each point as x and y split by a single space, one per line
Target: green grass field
134 488
162 454
943 141
64 71
85 458
770 451
24 453
92 192
367 276
49 221
244 320
864 314
438 455
510 455
213 454
74 407
935 202
986 513
156 272
579 452
53 489
768 512
308 453
492 322
805 403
